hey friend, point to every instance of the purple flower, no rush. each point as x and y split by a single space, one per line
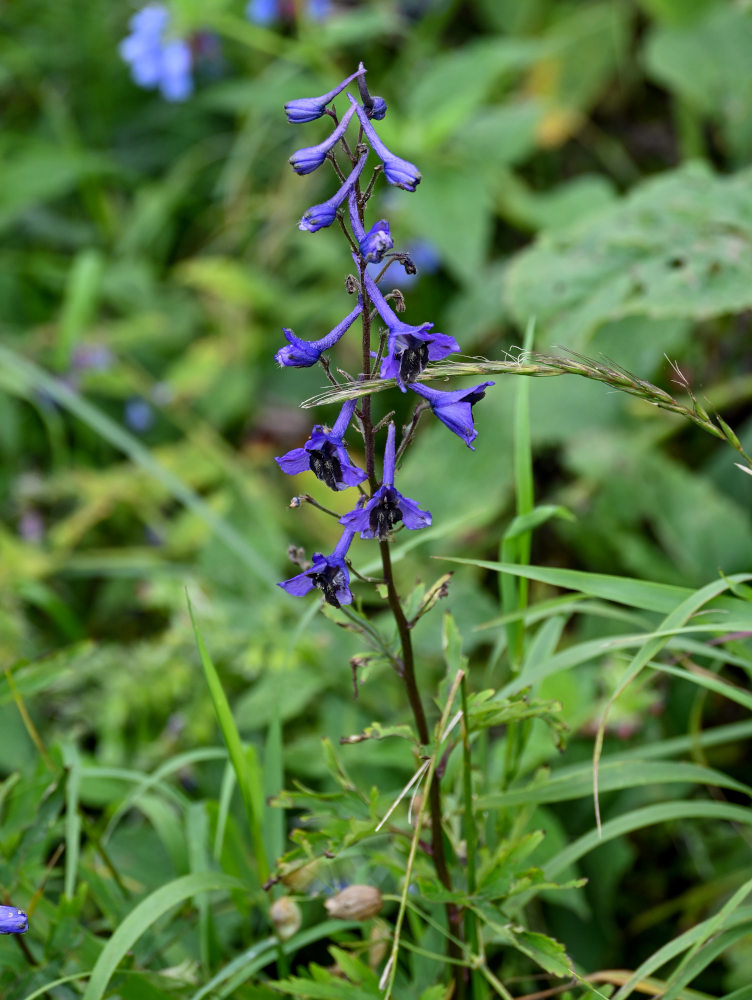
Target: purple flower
409 348
324 453
319 10
13 920
374 243
320 216
308 159
455 409
328 573
154 61
307 109
397 171
387 506
262 11
377 109
304 353
138 415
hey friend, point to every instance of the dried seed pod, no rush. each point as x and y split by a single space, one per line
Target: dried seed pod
286 917
356 902
298 877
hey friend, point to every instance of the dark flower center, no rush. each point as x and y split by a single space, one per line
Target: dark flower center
329 582
325 465
413 359
385 515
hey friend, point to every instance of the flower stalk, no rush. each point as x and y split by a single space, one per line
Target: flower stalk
403 352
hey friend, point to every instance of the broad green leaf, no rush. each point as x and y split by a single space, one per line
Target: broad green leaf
679 245
707 64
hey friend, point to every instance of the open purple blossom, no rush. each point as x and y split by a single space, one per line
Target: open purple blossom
409 348
387 507
157 61
320 216
308 109
305 353
455 409
310 158
325 454
13 920
397 171
328 573
374 243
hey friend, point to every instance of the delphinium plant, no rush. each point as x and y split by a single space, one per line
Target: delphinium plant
394 354
390 350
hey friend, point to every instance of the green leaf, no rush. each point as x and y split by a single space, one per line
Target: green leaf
147 912
577 782
244 760
548 953
679 245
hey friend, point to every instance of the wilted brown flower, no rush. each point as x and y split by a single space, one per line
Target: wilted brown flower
286 917
356 902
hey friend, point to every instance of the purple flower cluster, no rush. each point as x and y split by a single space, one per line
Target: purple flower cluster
405 350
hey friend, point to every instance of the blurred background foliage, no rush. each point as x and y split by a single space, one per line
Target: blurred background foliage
587 164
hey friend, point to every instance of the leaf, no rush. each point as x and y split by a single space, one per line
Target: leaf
243 759
707 64
679 245
544 950
144 915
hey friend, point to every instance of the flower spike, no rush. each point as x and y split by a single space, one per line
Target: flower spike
387 507
397 171
325 454
320 216
305 353
455 409
328 573
310 158
308 109
410 348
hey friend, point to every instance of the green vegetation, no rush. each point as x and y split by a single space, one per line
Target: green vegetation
181 746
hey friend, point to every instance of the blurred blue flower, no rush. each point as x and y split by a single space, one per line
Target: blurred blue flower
266 12
455 409
323 215
13 920
387 507
307 109
139 416
324 453
426 259
305 353
262 11
328 573
157 61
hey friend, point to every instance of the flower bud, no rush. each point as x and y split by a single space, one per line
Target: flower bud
13 920
356 902
286 917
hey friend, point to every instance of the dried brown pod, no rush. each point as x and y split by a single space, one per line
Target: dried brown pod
286 917
356 902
